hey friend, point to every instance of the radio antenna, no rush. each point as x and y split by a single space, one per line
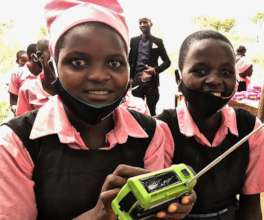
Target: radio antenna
226 153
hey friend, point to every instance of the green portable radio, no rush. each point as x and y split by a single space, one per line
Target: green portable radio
144 195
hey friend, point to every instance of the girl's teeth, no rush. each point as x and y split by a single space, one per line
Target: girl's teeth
98 92
216 94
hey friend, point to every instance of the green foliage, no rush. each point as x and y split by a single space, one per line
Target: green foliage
258 59
8 50
228 24
258 18
5 27
43 32
4 111
224 25
7 55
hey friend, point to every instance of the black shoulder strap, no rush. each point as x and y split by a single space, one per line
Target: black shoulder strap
245 122
22 126
170 117
146 122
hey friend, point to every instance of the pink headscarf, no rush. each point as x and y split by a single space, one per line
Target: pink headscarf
62 15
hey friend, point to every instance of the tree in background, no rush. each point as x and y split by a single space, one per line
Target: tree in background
7 58
258 19
7 51
224 25
5 27
43 32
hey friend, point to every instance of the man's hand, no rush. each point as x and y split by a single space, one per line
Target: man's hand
148 73
150 70
145 76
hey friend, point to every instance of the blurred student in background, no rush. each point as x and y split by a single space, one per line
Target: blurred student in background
36 91
244 68
21 58
30 70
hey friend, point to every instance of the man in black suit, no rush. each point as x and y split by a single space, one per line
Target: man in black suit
145 51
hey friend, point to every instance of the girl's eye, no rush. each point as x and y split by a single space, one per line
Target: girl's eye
114 63
78 63
200 71
227 72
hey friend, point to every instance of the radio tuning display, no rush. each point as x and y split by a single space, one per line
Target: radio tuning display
159 181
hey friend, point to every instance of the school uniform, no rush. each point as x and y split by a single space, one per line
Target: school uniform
242 65
239 173
31 96
55 175
134 103
18 78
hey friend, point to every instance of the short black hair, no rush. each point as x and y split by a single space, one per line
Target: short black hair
144 18
20 53
32 48
241 49
42 44
197 36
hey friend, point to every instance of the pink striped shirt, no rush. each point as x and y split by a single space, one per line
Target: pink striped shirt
16 185
254 182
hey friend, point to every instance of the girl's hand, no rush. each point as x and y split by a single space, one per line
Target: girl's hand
112 185
177 211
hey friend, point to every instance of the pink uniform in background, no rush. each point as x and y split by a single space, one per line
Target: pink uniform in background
136 104
243 65
31 96
18 78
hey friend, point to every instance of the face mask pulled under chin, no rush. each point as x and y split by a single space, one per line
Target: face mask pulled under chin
88 113
203 103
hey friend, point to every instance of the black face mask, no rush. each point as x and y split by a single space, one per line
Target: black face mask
203 103
90 114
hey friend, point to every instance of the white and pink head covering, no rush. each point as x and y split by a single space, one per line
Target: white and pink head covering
62 15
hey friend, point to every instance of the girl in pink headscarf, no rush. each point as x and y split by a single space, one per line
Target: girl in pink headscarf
70 158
